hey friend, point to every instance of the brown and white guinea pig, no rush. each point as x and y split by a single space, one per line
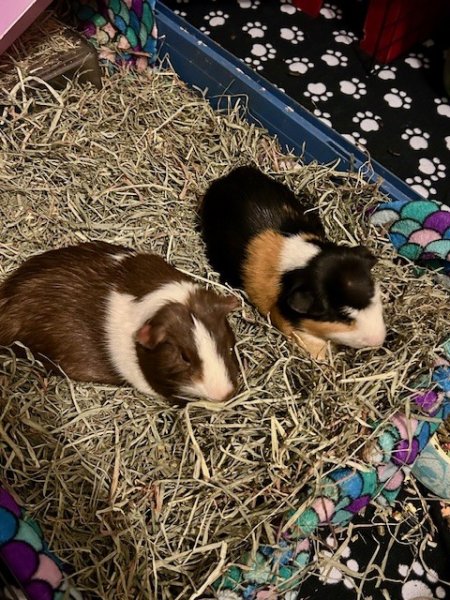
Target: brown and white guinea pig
259 237
107 314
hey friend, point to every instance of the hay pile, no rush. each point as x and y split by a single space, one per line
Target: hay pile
38 52
143 498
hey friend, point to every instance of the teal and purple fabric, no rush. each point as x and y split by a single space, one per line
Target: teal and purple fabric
420 231
24 553
128 24
341 495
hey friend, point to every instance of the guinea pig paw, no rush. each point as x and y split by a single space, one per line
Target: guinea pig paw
316 347
249 316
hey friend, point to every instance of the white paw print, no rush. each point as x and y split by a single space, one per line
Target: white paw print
216 18
344 37
299 66
398 99
286 7
334 58
367 121
204 30
447 142
325 117
255 63
180 13
317 91
355 138
443 107
417 139
255 30
386 72
417 61
249 3
331 11
421 186
354 87
417 588
263 51
432 167
292 34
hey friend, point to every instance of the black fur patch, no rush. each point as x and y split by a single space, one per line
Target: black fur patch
243 204
337 277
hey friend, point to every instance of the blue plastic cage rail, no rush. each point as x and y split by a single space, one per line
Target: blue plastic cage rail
203 64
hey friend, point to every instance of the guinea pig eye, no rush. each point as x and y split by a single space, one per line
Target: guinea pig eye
185 357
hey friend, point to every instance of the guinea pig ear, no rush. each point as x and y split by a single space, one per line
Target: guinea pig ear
149 336
366 254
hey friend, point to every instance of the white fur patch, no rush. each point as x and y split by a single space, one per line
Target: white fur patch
125 315
296 253
215 384
370 330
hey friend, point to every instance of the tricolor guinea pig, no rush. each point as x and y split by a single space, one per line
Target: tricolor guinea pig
107 314
260 238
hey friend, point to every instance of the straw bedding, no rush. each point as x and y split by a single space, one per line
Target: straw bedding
37 51
145 499
443 434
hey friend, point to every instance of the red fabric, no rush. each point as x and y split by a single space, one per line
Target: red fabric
310 7
393 26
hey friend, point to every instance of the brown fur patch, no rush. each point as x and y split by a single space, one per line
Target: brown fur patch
53 304
323 329
261 277
280 322
163 364
316 347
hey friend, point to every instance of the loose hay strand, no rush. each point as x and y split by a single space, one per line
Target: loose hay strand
143 499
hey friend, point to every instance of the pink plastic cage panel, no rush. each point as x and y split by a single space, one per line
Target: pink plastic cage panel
16 16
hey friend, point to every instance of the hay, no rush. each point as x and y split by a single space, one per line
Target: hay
37 51
443 435
143 499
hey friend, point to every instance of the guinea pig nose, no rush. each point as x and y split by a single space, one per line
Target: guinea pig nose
229 396
224 397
